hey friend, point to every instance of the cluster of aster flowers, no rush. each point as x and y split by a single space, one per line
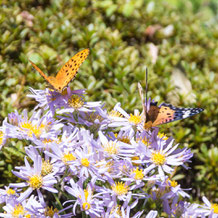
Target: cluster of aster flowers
82 159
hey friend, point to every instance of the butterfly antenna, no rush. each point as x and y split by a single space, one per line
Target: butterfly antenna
146 98
142 99
146 90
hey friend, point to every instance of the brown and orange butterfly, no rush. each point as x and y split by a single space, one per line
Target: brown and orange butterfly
154 115
66 73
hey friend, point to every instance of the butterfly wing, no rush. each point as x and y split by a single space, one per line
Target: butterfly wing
69 70
168 113
50 79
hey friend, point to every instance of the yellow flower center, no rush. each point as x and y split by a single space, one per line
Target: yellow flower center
18 211
117 209
124 139
172 183
135 119
111 147
32 129
47 168
10 191
138 174
35 181
85 162
75 101
86 206
68 157
214 207
145 141
1 137
114 113
135 158
49 211
46 141
120 188
162 136
158 158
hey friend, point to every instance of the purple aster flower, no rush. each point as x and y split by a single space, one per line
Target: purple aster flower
88 202
8 194
41 97
86 163
62 158
134 121
115 149
96 120
48 165
119 190
34 179
174 190
45 211
163 155
50 99
136 176
3 133
120 211
34 128
21 209
183 209
125 136
76 103
208 209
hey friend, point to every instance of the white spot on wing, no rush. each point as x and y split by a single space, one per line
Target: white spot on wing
186 114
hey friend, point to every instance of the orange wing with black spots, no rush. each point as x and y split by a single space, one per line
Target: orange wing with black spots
167 113
67 72
49 79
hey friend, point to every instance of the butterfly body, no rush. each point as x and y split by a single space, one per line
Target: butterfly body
167 113
66 73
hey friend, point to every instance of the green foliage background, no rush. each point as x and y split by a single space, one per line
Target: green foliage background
119 34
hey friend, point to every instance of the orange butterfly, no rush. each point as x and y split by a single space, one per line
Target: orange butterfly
165 113
67 72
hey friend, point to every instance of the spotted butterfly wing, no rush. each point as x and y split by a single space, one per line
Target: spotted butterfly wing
167 113
67 72
49 79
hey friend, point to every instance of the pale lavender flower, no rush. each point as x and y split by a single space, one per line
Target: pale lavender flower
183 209
8 194
119 190
85 163
85 198
115 149
33 128
127 121
76 103
121 212
50 99
21 209
164 155
3 133
41 96
137 177
208 209
34 179
63 158
175 190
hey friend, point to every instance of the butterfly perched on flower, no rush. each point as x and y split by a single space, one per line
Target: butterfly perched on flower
66 73
154 115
